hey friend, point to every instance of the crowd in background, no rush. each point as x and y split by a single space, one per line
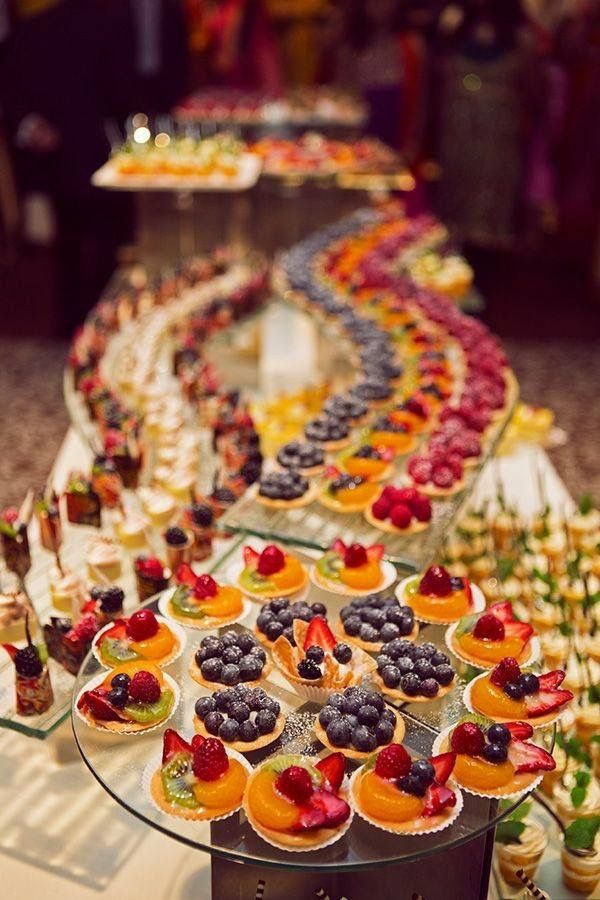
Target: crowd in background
496 103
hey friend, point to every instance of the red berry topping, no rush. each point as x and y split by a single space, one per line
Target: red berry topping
210 760
467 738
173 743
186 575
141 625
251 557
85 629
206 586
489 628
144 687
333 768
407 495
437 798
149 566
443 765
355 556
10 514
436 582
295 784
319 634
401 515
443 477
506 670
393 762
381 509
421 508
271 560
419 469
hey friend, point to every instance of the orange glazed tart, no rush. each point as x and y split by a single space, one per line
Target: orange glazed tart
507 694
397 794
142 636
347 493
198 780
271 573
392 434
354 570
495 760
368 462
298 803
440 598
484 640
199 602
135 696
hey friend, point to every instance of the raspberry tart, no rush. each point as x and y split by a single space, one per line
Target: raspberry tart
135 696
400 511
484 640
347 493
373 621
200 602
437 474
508 694
413 673
406 796
199 780
227 660
440 598
299 803
276 618
244 718
357 722
141 636
353 570
271 573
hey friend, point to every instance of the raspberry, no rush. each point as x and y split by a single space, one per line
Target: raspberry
295 784
144 687
206 586
406 495
393 762
380 509
489 628
210 760
149 566
141 625
507 670
467 738
271 560
355 556
86 628
419 469
421 508
401 515
443 477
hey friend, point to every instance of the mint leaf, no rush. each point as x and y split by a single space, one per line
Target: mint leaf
581 834
586 504
505 568
594 693
582 778
565 629
509 832
577 796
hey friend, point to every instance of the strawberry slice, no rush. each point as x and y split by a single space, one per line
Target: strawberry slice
527 757
468 591
335 809
443 765
519 731
319 634
173 743
332 472
549 681
502 611
522 630
251 558
310 818
99 706
185 575
375 552
437 798
197 742
546 702
332 768
339 547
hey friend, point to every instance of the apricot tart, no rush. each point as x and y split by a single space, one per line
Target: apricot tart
244 718
271 573
508 694
199 601
318 664
390 433
440 598
141 636
400 511
353 570
413 673
297 802
347 493
373 621
358 721
367 462
495 760
198 780
397 794
485 639
229 659
134 696
276 618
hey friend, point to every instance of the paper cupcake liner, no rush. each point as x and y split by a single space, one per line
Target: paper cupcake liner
173 626
478 603
98 679
504 795
155 763
241 746
466 699
532 657
234 571
455 812
210 623
371 646
388 571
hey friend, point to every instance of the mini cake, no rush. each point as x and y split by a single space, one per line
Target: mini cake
354 570
400 511
285 490
33 688
495 760
199 780
178 546
103 558
69 644
134 696
271 573
276 618
438 597
82 502
244 718
158 505
105 603
331 433
14 609
391 434
397 794
199 602
367 462
373 621
131 529
306 458
347 493
229 659
142 636
199 519
484 640
357 722
68 592
151 576
507 694
297 802
413 673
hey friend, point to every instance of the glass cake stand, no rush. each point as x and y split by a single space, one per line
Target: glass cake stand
118 761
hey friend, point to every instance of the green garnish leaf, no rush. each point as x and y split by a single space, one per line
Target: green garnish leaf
586 504
509 832
581 834
565 629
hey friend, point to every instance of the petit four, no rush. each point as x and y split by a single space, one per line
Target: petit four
199 602
400 511
347 493
271 573
368 462
438 597
82 502
232 658
483 640
358 721
103 558
412 672
141 636
151 576
388 432
69 644
178 546
244 718
132 697
352 570
15 606
33 689
507 694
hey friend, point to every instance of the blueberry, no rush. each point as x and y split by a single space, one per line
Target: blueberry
418 653
213 722
439 659
383 660
319 609
327 715
514 690
204 705
265 721
246 642
231 655
273 630
352 721
391 676
405 664
201 656
288 634
389 631
120 681
456 583
364 739
304 614
338 733
229 639
394 614
424 669
529 682
279 604
336 700
406 624
248 731
428 650
250 668
285 618
346 612
213 643
211 669
384 732
495 753
229 730
410 684
264 619
118 696
423 769
444 675
410 784
258 652
372 698
271 704
239 711
429 687
352 625
351 704
498 734
367 633
368 715
309 670
224 699
316 654
388 716
342 653
230 674
375 617
399 647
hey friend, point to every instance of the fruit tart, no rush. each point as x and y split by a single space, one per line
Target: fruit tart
353 570
271 573
437 474
303 457
388 432
400 511
483 640
298 803
199 602
357 722
405 796
228 660
328 431
318 664
373 621
346 493
367 461
508 694
198 780
413 673
244 718
494 760
141 636
276 618
440 598
132 697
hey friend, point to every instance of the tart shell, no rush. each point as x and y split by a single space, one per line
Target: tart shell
245 746
351 752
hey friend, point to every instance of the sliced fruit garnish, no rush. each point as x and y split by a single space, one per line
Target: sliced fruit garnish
527 757
173 743
99 706
545 702
443 765
336 809
519 731
205 587
437 798
319 634
186 575
251 557
550 680
522 630
502 611
332 768
310 819
143 713
339 546
375 552
175 781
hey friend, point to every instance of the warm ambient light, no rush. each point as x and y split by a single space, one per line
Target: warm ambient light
141 135
139 120
162 139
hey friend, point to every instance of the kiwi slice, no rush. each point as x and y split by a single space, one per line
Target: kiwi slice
174 776
330 565
151 712
253 581
117 651
183 604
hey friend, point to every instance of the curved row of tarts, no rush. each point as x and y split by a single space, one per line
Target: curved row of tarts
303 803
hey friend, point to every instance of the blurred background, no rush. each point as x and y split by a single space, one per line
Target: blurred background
493 104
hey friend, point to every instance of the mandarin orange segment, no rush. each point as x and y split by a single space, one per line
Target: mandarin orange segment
443 608
362 577
382 800
267 806
398 442
363 493
226 791
228 602
491 651
158 646
292 574
366 468
481 775
492 700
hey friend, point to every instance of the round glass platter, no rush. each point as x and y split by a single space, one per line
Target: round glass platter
118 763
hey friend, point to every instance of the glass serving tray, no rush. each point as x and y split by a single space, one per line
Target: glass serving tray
117 762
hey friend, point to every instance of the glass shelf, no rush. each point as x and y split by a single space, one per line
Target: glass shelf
118 761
